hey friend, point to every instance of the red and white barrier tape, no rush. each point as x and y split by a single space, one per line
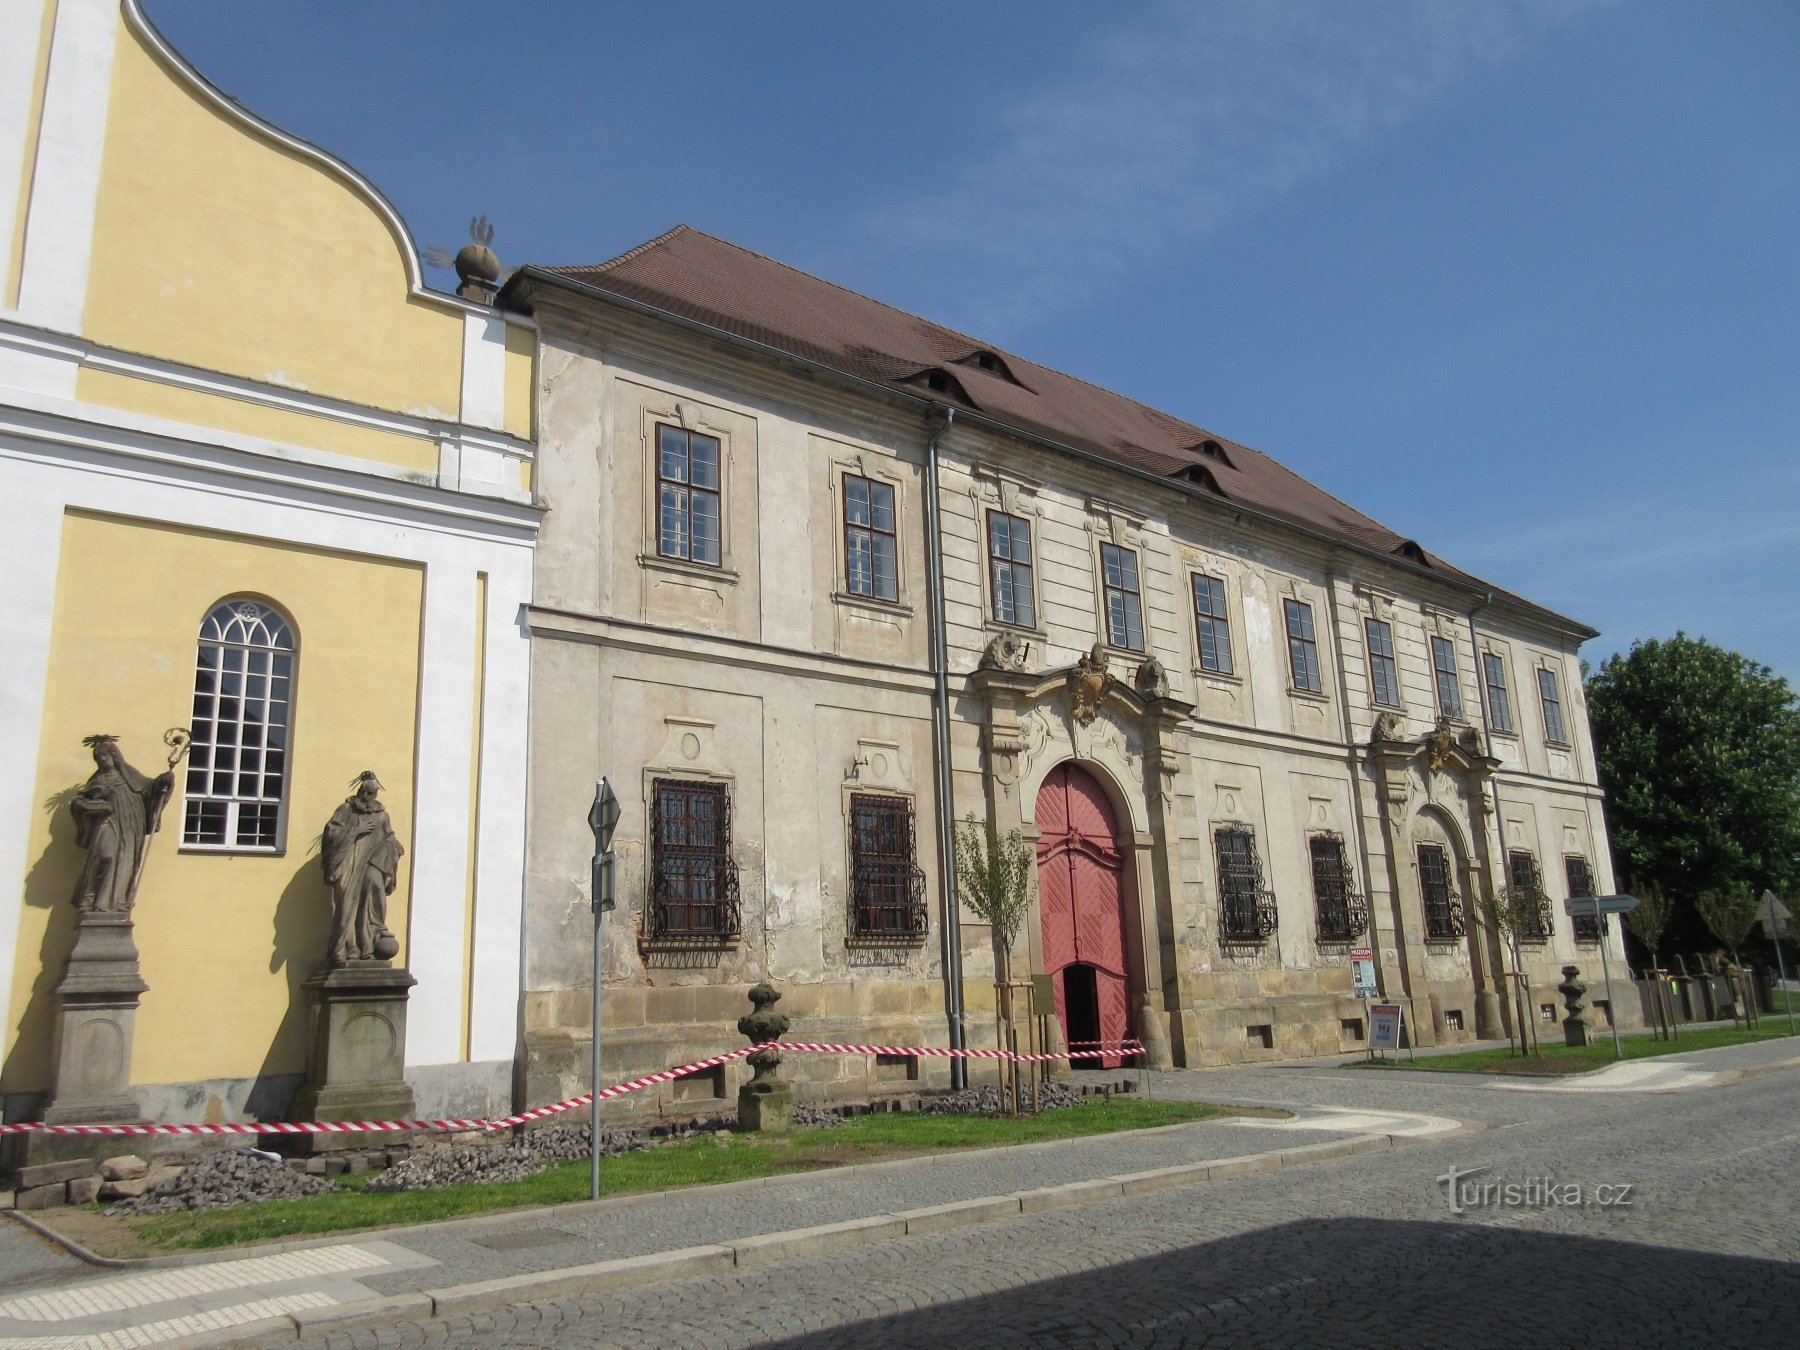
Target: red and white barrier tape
1100 1049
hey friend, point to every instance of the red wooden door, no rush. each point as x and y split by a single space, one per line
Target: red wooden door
1081 903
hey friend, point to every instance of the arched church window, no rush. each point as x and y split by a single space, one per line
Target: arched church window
238 764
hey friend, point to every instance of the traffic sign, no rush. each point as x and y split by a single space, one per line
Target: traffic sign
1593 906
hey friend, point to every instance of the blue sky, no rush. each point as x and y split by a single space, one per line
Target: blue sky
1521 280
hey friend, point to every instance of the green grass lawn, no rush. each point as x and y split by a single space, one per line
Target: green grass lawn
1558 1058
702 1161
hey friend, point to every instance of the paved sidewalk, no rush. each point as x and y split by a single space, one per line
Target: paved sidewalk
306 1289
415 1273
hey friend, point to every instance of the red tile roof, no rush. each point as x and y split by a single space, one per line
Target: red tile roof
712 282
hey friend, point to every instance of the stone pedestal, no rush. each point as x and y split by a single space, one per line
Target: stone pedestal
1576 1029
95 1019
766 1105
357 1066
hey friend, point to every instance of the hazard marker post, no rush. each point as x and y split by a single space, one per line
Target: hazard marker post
603 819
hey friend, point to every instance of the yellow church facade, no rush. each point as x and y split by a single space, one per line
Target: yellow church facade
268 514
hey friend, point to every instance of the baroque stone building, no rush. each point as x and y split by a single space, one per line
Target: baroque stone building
818 577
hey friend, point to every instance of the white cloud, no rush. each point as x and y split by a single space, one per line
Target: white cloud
1187 118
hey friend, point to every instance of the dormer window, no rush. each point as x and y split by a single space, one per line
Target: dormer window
1213 451
938 382
1200 476
992 362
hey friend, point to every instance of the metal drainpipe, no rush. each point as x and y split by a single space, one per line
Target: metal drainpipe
940 720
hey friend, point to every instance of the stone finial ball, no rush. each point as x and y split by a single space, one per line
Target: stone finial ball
387 947
477 261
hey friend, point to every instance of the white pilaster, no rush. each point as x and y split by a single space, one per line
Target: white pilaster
21 21
65 185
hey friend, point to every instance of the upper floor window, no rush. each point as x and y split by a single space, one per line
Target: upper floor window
1343 913
1010 569
1443 909
1124 598
687 493
1532 906
1551 697
693 882
1212 624
1384 675
1246 908
1581 882
871 552
1449 686
1493 674
887 889
1303 647
237 768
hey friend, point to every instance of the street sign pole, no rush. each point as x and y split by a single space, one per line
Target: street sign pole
1772 922
1612 1009
1597 907
603 818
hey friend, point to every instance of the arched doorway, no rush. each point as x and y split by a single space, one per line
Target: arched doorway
1081 906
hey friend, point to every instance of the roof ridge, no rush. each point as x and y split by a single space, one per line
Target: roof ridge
629 254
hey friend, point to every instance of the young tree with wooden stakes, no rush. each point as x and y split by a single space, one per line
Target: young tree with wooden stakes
993 877
1516 910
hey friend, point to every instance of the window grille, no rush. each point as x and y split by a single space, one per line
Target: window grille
693 882
1010 569
1384 674
1124 601
1303 648
1343 912
1449 686
1443 907
237 767
1551 696
1493 671
1522 872
871 548
1212 624
1581 882
887 889
687 487
1246 907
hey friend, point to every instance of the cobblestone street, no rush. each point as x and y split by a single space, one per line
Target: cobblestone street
1639 1219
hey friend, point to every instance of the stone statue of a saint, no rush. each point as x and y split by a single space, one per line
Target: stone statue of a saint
361 858
116 812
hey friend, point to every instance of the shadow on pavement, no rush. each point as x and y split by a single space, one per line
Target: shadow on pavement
1360 1282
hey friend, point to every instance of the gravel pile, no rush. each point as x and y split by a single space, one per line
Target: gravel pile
455 1163
817 1116
987 1101
227 1177
567 1140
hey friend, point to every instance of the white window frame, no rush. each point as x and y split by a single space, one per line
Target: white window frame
224 634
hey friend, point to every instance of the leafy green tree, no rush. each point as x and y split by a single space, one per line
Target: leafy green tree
1699 753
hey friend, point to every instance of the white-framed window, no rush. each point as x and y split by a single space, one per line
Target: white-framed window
1449 683
1011 571
1384 675
1212 624
1499 700
1550 695
1303 647
687 495
239 763
871 539
1123 598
